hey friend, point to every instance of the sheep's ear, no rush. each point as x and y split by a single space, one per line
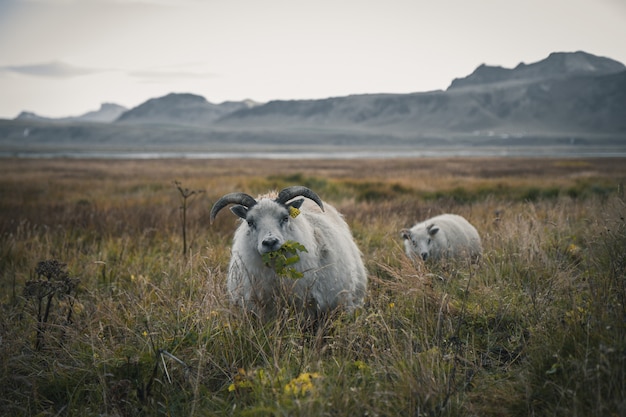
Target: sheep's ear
432 230
296 203
405 234
240 211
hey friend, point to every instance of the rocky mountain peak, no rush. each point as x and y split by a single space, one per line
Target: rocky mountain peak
557 64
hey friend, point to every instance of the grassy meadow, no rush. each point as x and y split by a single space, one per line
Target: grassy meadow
107 310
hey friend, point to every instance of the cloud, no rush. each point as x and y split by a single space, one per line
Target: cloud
165 75
58 69
53 69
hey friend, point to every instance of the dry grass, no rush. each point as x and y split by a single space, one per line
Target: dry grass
536 329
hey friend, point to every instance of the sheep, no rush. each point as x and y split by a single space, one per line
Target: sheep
447 236
333 273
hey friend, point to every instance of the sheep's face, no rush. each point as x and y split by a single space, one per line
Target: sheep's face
268 223
420 240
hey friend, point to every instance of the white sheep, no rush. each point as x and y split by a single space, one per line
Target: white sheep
447 236
333 271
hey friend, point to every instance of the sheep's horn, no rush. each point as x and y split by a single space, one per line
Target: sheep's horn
232 198
297 190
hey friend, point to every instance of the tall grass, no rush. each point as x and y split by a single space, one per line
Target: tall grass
537 328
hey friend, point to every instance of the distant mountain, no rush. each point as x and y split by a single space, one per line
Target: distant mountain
567 98
567 93
557 65
27 115
185 109
107 113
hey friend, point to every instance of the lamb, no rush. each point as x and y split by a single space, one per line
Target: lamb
447 236
333 273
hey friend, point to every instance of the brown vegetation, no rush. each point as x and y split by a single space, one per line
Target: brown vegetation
536 329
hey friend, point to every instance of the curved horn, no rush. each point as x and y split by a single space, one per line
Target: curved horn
288 193
232 198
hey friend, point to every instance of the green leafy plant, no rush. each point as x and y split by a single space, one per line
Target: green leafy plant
282 259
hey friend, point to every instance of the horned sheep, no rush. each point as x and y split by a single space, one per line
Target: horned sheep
333 273
447 236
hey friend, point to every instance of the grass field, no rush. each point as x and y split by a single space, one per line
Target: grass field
106 310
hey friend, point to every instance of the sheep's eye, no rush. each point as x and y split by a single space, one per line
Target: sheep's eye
284 220
251 224
429 240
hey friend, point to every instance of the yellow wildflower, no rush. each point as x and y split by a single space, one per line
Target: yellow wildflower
360 365
575 251
301 385
240 381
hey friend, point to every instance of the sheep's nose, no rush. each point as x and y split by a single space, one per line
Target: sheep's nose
270 243
424 256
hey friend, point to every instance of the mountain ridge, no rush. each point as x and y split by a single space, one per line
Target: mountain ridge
566 98
107 113
181 108
556 65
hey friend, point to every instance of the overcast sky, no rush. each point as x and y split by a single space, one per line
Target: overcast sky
66 57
